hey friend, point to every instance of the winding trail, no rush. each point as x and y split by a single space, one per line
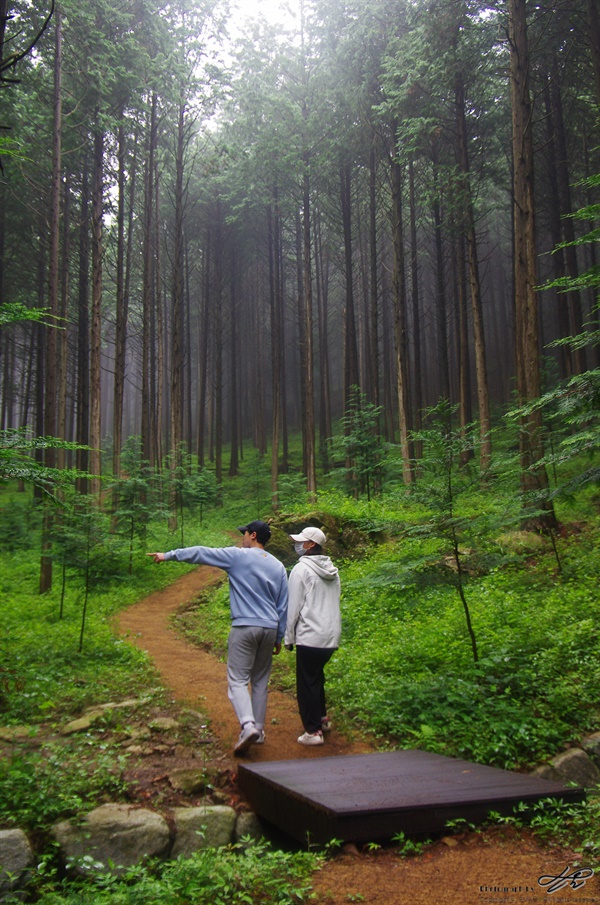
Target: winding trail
199 679
492 867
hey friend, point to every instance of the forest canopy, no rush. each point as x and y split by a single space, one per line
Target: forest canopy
239 228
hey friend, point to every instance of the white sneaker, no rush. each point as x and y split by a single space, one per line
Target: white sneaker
311 738
248 736
261 738
326 724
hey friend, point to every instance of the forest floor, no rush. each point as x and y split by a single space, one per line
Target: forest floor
496 865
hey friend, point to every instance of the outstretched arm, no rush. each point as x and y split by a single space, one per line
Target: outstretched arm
157 557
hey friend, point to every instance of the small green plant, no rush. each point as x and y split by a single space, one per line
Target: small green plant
408 847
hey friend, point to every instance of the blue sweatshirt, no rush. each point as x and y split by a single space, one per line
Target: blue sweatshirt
258 590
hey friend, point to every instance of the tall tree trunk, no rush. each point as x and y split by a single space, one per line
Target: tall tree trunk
351 373
533 473
373 280
148 281
96 318
322 283
51 381
203 344
483 397
218 345
416 312
273 226
564 187
233 365
177 341
440 295
308 401
158 318
464 368
399 300
63 336
593 13
554 226
83 332
122 299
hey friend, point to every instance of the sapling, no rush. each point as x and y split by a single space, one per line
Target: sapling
440 483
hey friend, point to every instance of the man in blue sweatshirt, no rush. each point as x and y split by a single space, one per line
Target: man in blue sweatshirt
258 597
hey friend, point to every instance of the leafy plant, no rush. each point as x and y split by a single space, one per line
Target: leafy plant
246 872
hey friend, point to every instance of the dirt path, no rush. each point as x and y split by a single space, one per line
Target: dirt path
200 679
489 868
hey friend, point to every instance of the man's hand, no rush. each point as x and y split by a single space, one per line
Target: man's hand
157 557
289 647
277 648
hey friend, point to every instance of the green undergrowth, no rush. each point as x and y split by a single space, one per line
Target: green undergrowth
243 873
405 670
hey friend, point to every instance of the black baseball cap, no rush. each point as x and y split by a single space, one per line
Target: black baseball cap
263 532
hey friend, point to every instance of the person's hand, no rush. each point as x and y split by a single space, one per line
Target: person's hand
157 557
277 648
289 647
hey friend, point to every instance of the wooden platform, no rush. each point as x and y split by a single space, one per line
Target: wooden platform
370 797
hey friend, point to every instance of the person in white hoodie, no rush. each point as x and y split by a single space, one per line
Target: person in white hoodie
313 627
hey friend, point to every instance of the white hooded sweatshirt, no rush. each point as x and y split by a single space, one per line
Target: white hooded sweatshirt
314 603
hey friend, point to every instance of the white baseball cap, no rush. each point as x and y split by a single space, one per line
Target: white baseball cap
313 534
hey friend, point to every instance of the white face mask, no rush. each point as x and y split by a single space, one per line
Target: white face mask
299 548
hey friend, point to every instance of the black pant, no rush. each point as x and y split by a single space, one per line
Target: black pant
310 684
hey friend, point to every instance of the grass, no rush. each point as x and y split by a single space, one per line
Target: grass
405 668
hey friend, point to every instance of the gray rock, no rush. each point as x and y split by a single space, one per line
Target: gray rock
113 836
247 824
192 780
16 857
163 724
202 827
14 733
572 766
591 746
83 722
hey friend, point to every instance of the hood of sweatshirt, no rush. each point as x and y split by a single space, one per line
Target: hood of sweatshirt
321 565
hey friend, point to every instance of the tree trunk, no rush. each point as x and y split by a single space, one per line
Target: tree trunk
564 186
233 373
273 227
533 474
593 12
306 352
148 282
351 374
96 318
416 313
399 301
63 335
373 281
322 282
554 226
83 333
177 341
440 295
122 299
203 345
51 379
483 398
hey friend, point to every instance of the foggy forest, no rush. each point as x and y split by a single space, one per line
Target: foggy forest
235 228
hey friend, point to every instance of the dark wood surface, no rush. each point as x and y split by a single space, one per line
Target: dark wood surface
374 796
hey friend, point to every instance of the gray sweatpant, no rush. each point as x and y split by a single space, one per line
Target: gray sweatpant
250 653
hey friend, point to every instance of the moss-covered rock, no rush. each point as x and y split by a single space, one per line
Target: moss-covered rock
344 539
